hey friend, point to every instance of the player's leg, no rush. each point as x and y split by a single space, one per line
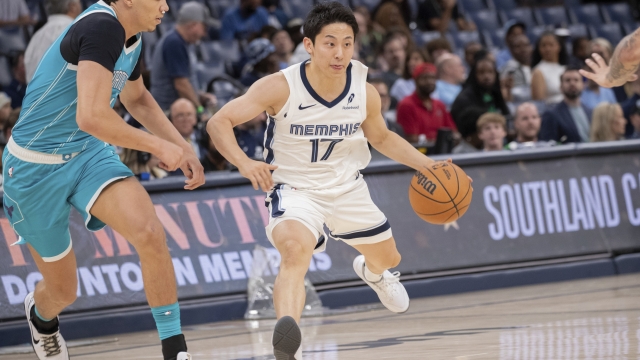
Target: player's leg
126 207
380 257
295 243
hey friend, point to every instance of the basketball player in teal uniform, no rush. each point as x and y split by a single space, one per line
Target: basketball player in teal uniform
59 157
321 113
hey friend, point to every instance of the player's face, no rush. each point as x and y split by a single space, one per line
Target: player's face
150 13
333 49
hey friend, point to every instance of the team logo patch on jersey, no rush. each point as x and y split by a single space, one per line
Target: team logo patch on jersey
351 97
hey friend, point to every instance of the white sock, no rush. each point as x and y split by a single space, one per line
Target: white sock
370 276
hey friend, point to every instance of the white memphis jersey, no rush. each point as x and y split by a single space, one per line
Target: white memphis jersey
318 144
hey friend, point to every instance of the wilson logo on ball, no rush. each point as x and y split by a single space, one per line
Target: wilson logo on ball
428 185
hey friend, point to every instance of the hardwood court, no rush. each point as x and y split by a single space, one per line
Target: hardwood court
587 319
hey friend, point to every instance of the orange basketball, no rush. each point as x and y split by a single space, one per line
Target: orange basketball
440 193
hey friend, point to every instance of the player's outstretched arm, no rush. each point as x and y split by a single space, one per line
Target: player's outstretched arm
144 108
385 141
96 117
267 94
621 68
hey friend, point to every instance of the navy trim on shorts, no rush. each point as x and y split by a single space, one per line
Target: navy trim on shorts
275 196
321 241
364 233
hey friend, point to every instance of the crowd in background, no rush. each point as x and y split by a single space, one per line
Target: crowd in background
476 97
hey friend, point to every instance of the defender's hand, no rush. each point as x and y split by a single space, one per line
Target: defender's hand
170 156
192 169
259 173
601 71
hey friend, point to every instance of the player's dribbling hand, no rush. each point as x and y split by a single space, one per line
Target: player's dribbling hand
192 169
170 156
259 173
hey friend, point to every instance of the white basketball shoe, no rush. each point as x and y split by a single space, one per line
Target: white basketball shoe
389 289
49 345
183 356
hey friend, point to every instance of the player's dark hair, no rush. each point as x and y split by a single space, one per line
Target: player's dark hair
109 2
327 13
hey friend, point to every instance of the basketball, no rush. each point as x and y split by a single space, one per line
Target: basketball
441 193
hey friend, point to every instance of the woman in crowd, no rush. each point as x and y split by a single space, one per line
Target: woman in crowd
548 63
482 89
608 123
403 6
405 86
389 17
370 36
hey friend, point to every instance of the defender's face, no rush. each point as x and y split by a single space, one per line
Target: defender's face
333 48
150 12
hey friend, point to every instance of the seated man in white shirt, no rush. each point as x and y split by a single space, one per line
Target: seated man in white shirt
527 124
61 14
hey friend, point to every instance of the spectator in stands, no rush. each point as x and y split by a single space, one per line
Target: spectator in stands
581 51
451 75
403 6
370 36
18 86
173 74
283 47
60 14
527 126
438 47
393 56
629 105
145 166
250 136
262 61
419 114
385 103
634 120
569 121
5 110
436 15
482 89
512 29
466 124
517 71
549 63
389 17
243 21
8 125
492 130
13 15
470 50
406 86
184 118
277 16
602 47
594 94
213 160
608 123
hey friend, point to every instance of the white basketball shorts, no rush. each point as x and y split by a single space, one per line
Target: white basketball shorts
347 210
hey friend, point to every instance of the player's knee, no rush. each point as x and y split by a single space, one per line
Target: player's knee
66 294
392 260
149 234
293 255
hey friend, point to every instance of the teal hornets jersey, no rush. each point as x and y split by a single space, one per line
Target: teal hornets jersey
47 121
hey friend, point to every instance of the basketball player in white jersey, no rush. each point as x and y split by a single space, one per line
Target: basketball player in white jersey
321 113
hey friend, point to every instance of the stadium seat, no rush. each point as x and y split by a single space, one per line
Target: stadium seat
485 20
610 32
586 14
503 4
630 27
555 15
521 14
214 52
297 8
464 37
535 32
578 30
426 36
471 6
369 4
494 39
5 74
618 13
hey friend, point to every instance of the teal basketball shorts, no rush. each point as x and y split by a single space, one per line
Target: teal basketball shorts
40 189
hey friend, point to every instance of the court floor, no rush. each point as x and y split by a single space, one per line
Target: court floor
586 319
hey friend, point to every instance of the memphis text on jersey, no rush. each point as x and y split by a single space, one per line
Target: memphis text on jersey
324 130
